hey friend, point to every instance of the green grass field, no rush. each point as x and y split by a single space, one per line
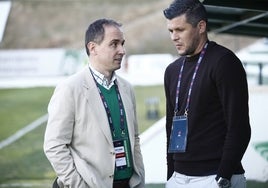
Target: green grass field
23 163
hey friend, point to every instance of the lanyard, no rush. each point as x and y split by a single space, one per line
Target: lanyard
191 84
108 112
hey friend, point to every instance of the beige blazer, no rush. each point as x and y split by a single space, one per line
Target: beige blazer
78 141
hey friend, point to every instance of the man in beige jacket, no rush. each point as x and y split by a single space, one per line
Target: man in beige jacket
91 139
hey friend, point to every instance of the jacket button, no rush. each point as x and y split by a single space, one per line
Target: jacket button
111 176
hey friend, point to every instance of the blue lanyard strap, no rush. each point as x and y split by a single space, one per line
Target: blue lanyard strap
108 112
191 84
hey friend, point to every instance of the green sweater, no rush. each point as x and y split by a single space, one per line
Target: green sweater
110 96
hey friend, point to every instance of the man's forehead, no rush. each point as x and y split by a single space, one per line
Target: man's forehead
112 29
113 33
177 22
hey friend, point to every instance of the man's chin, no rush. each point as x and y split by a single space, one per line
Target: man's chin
181 52
117 67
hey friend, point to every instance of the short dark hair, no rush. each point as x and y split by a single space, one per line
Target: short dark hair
194 11
95 31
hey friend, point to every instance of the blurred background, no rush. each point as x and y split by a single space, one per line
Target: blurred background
42 43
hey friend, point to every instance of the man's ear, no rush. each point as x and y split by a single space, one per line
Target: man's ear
91 46
202 25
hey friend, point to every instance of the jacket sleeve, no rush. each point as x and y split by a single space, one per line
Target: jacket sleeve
137 148
58 137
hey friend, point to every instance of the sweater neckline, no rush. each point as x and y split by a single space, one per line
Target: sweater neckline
193 58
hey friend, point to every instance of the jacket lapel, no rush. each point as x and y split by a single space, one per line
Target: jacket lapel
128 106
91 92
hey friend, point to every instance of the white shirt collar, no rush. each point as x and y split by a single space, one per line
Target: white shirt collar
101 79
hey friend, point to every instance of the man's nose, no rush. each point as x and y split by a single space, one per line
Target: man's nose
122 50
174 36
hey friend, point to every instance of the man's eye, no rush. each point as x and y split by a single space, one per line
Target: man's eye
114 44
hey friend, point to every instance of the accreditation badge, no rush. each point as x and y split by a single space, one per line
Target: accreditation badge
121 155
178 136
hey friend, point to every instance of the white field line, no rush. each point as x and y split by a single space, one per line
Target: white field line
23 131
